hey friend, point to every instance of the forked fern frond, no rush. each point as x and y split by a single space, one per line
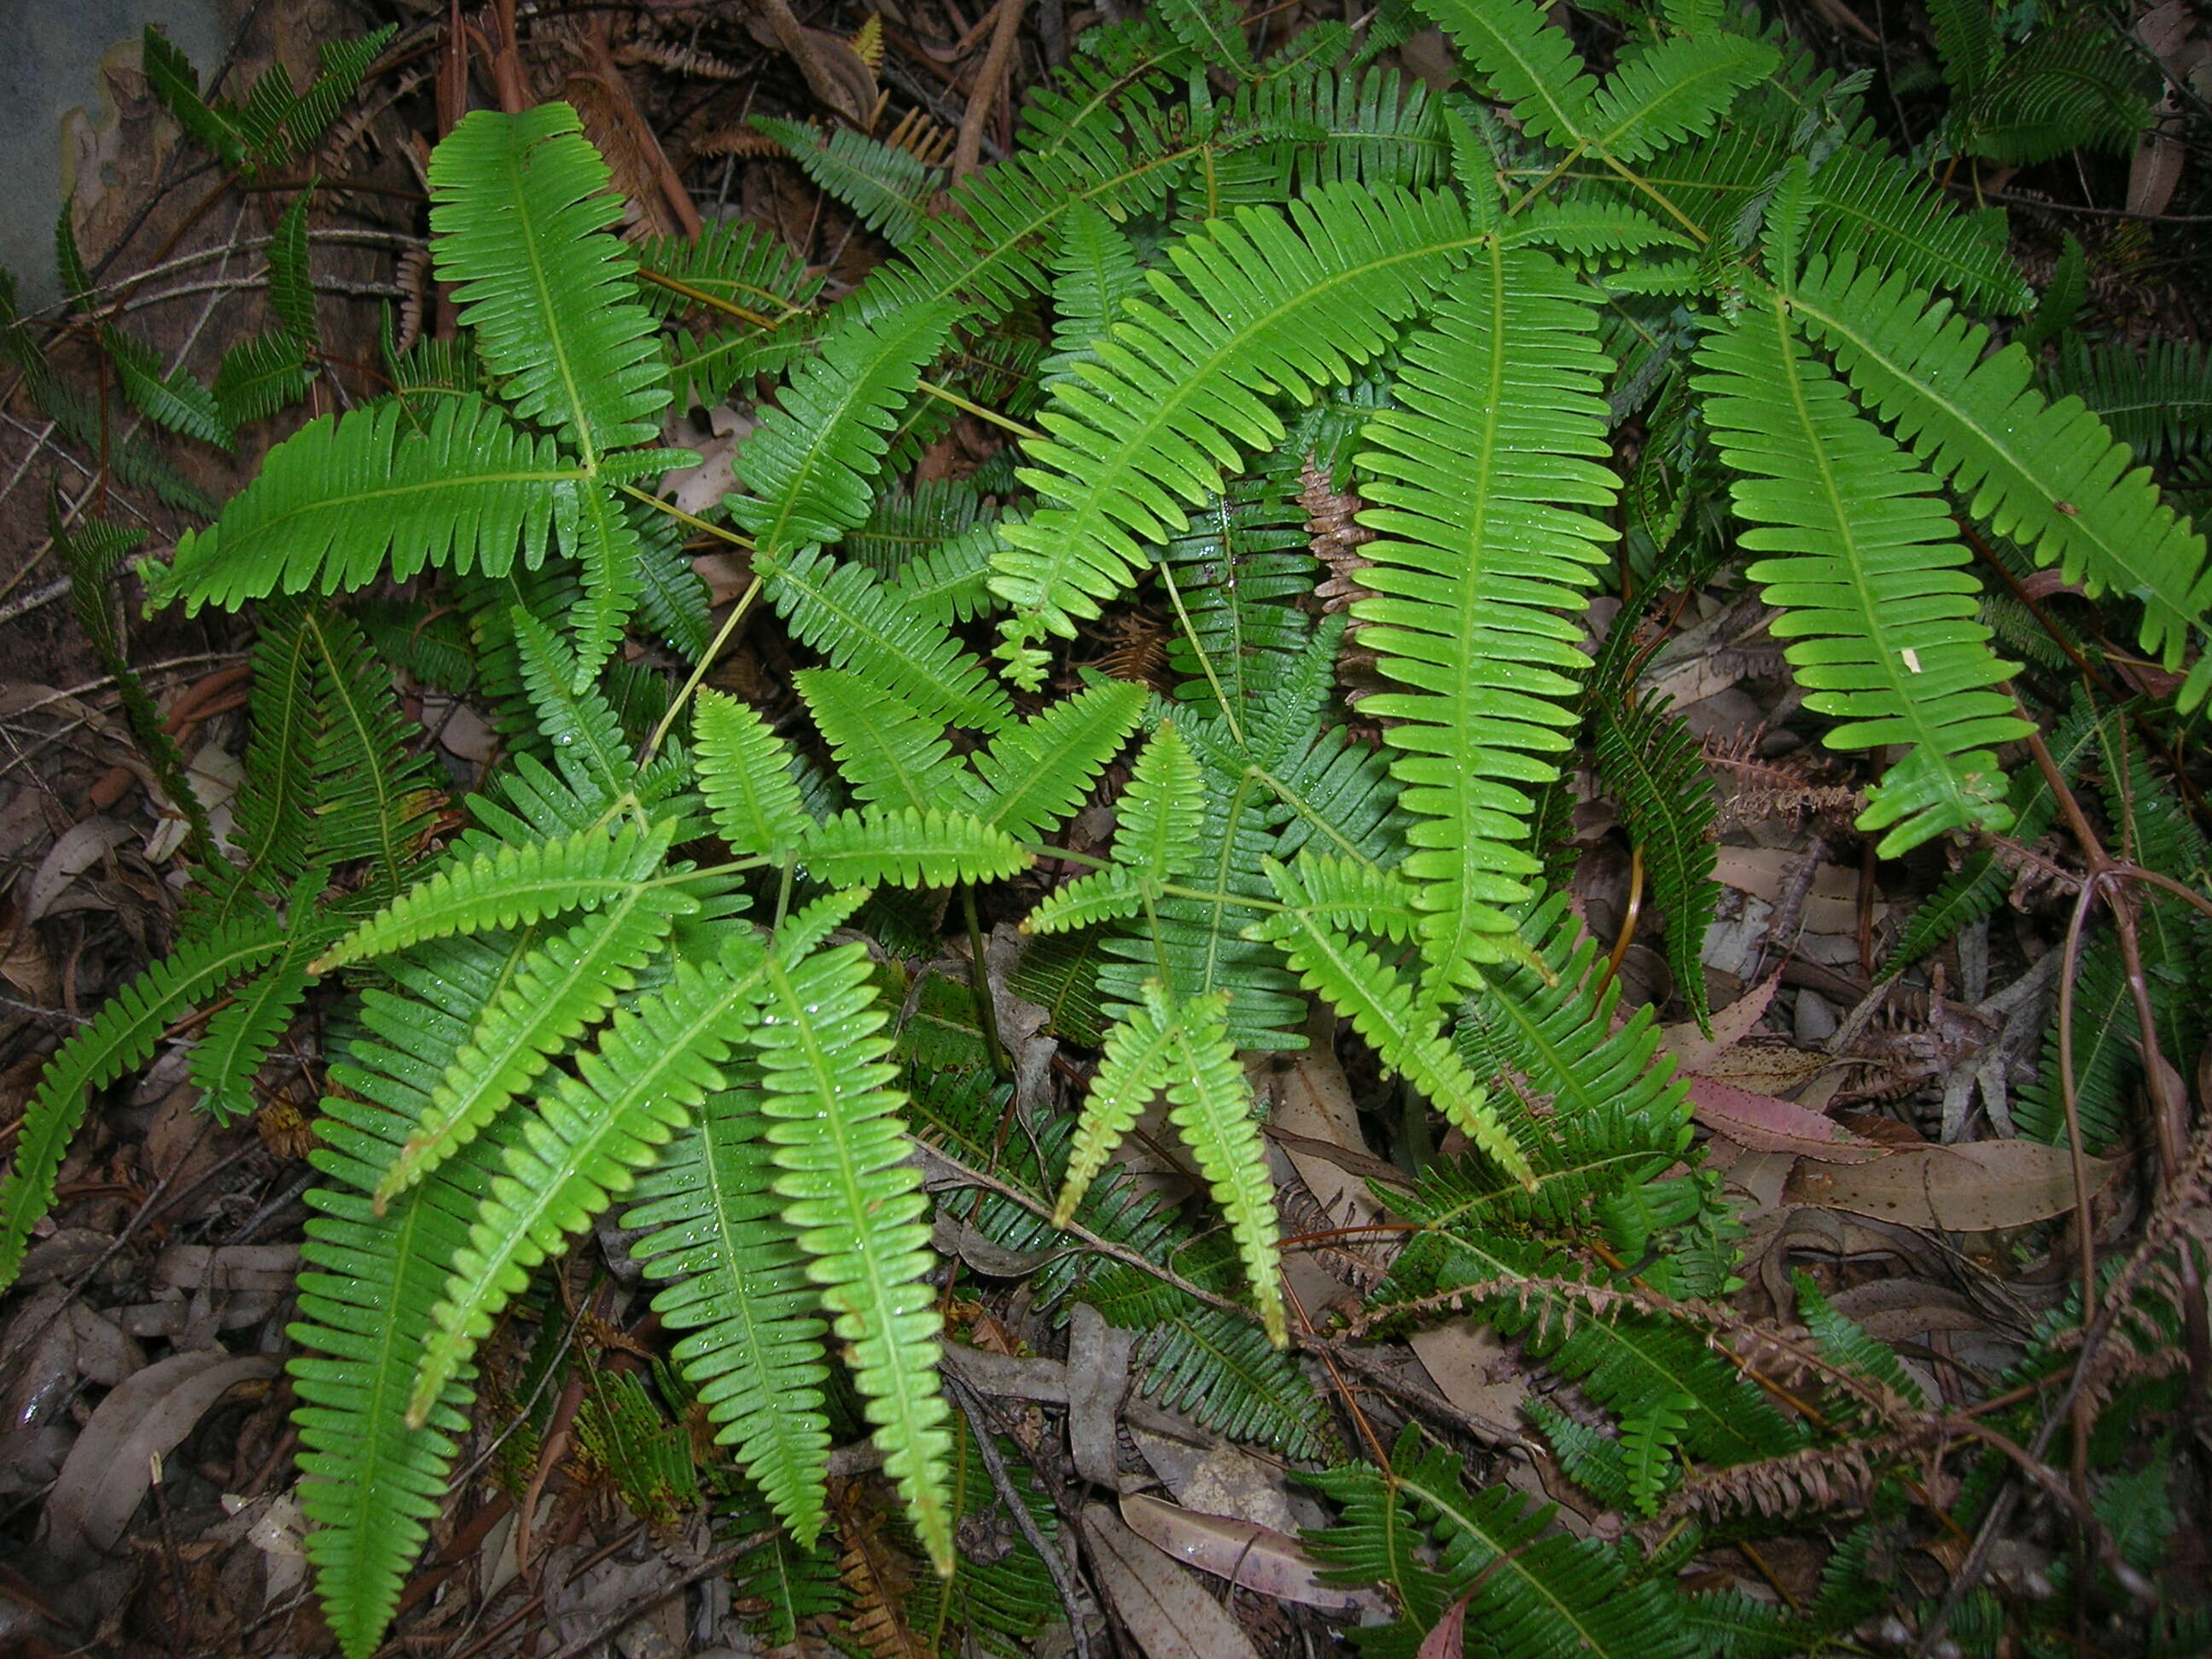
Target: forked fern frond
859 624
1269 301
585 1142
806 466
520 210
1529 63
1873 591
1388 1011
546 1000
855 1201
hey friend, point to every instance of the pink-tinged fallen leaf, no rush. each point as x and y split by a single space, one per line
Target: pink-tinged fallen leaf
1448 1639
1977 1187
1267 1563
1766 1123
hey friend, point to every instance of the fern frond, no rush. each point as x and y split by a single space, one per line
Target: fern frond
237 1038
1035 775
890 753
1530 65
605 543
1387 1011
258 376
1095 270
753 1343
1222 1370
1270 301
906 847
2050 477
1213 30
371 1483
744 772
1654 768
1677 90
546 1000
1210 1103
121 1036
1873 593
1484 477
807 466
732 260
889 187
347 500
855 1201
519 211
375 793
510 887
589 1136
2158 403
173 400
580 726
1130 1073
859 623
1846 1342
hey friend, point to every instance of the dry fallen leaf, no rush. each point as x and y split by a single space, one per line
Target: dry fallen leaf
1978 1187
1257 1558
110 1468
1160 1604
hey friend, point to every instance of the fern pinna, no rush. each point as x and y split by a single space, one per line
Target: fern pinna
639 982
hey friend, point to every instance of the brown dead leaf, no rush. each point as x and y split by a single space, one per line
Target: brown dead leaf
1257 1558
1159 1603
110 1466
1979 1187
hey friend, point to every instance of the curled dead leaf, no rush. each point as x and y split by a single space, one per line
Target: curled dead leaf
1978 1187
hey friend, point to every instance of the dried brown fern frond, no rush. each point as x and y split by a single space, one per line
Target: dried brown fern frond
1818 1477
1792 787
680 60
1336 536
922 138
876 1571
736 141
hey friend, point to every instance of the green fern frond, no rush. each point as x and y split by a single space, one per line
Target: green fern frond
732 260
2158 401
546 998
807 467
121 1036
510 887
1846 1342
888 187
599 535
855 621
171 399
1210 1103
1131 1072
2050 477
1529 64
1236 574
585 1142
903 846
520 209
1531 1587
1350 896
238 1037
345 501
370 1483
1677 90
1156 839
1387 1011
1095 270
1036 775
1220 1367
855 1201
291 280
580 726
375 791
1654 768
753 1343
890 752
258 376
1213 30
744 772
1874 594
1270 301
1484 475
